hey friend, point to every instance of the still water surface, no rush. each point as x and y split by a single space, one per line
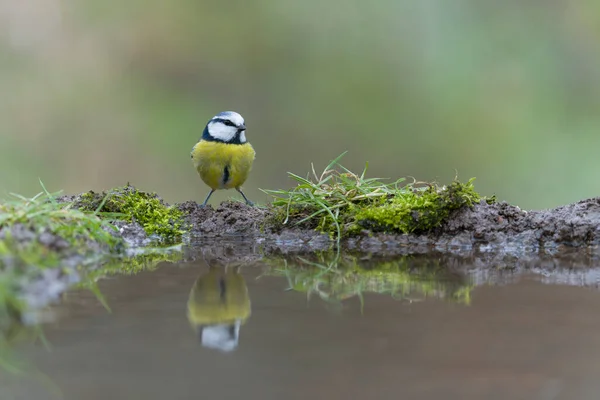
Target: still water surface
523 340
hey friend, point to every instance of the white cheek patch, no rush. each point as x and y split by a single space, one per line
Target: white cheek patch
243 137
221 131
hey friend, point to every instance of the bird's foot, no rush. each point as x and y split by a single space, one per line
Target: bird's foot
248 202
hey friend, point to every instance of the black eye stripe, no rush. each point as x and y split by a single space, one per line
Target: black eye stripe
224 121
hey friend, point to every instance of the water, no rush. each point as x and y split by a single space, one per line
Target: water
437 336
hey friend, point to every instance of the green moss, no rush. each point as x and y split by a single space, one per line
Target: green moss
417 211
129 204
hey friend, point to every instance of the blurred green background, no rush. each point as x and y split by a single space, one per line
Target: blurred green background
95 94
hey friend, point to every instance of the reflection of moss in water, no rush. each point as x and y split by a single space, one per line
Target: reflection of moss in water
337 279
147 261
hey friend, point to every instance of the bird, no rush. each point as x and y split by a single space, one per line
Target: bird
223 157
218 305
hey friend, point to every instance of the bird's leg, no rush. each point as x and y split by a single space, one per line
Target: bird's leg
244 196
207 197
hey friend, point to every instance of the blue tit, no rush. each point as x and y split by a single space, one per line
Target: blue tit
218 306
223 157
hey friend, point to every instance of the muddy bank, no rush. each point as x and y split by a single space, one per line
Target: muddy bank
487 226
495 237
483 228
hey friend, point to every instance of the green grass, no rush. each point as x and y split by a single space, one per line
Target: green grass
343 203
336 278
42 213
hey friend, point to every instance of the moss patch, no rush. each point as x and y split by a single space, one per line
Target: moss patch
414 211
129 204
343 203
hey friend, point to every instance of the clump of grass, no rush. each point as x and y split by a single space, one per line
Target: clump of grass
129 204
341 202
44 214
334 278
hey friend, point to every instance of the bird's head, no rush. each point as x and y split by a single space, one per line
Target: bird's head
226 127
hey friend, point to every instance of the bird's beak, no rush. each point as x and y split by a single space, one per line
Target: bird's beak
242 127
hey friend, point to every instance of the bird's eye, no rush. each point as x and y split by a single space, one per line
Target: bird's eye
228 123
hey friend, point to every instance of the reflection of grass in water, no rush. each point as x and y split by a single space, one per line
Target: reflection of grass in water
10 308
338 278
12 335
12 363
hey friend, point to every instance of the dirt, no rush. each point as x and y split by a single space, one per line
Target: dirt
484 228
488 239
498 227
229 218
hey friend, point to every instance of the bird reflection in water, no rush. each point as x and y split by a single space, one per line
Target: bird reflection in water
218 306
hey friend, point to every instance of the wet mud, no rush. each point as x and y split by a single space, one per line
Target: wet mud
482 240
484 228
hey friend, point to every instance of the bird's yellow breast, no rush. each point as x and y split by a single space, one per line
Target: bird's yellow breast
223 165
219 297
